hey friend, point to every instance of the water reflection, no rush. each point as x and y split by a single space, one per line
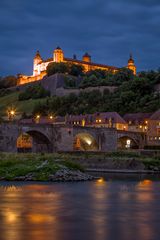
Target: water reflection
94 210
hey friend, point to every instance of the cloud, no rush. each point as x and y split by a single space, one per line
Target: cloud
109 30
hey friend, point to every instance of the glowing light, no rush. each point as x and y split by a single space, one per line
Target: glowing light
100 181
88 141
10 217
83 122
145 183
40 218
38 116
11 112
128 143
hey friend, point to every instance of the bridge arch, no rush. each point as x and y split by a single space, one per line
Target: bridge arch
33 141
84 141
127 142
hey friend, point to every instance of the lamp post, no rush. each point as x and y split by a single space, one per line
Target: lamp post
11 114
37 118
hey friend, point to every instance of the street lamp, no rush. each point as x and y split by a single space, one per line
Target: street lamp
37 118
11 114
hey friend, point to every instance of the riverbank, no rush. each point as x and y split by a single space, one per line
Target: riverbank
40 167
72 166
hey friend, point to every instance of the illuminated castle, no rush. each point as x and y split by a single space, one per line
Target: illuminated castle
40 65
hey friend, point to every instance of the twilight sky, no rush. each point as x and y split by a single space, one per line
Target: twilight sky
108 29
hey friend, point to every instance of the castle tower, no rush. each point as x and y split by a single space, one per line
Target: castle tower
131 64
37 59
86 57
58 55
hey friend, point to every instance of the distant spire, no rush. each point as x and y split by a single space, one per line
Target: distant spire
38 55
131 58
58 48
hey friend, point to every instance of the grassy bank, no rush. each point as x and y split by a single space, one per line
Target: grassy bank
40 166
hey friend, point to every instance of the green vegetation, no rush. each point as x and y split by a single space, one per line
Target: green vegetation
8 81
133 93
41 166
103 78
135 96
33 92
71 69
11 100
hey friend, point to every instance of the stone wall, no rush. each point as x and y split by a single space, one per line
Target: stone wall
65 92
55 84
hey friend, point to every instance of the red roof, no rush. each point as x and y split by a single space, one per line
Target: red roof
90 63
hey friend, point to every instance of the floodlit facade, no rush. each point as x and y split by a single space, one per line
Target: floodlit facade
40 65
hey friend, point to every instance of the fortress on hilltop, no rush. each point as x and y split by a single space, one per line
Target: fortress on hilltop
40 65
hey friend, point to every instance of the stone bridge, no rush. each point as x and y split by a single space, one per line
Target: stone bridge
59 138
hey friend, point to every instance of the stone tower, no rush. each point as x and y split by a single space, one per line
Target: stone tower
131 64
37 59
86 57
58 55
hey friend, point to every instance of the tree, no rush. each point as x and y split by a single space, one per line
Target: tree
8 81
76 70
54 67
123 75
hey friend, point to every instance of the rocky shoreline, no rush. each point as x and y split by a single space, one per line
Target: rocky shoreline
64 175
71 168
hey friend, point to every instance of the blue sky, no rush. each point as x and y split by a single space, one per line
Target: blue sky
108 29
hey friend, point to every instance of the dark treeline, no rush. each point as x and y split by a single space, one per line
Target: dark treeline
134 94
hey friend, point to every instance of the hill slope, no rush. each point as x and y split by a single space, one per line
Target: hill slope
11 100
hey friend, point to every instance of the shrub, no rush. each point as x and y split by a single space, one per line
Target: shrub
33 92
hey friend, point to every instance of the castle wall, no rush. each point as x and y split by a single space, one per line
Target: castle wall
40 66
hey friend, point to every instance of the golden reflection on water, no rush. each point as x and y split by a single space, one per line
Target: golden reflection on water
146 183
38 212
10 217
36 218
100 181
99 207
29 210
144 192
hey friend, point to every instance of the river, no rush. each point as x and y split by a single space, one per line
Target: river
111 208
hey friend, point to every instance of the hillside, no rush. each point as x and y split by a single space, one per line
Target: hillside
94 91
11 100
